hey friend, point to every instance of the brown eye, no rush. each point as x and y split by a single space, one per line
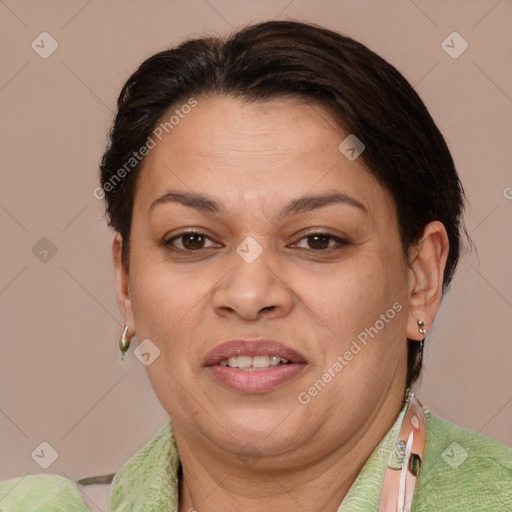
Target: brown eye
189 241
318 241
321 242
193 241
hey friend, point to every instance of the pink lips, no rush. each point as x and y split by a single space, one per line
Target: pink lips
258 381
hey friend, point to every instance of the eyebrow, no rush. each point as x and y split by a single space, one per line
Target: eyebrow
294 207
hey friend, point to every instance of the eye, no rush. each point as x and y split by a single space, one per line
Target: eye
189 241
195 241
321 241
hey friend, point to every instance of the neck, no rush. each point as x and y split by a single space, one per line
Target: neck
214 483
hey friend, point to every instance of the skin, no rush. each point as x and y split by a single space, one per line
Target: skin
268 451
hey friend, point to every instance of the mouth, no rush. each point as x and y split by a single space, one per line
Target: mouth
254 366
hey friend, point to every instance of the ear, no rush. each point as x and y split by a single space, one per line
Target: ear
124 301
427 261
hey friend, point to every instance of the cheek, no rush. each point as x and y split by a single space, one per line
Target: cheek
365 308
163 300
167 310
351 297
366 315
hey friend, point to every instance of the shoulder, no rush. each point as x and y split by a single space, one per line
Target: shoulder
44 493
462 470
149 477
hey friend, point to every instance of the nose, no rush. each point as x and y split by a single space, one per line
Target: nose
253 291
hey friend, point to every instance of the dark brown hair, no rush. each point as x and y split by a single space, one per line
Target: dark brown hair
368 97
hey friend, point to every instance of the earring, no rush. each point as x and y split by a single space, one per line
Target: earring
421 327
124 342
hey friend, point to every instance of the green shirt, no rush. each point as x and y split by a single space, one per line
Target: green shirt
462 471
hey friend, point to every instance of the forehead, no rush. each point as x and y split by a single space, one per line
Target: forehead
219 125
257 152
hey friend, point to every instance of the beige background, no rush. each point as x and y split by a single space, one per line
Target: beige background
60 376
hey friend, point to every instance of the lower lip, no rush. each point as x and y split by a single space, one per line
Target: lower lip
256 381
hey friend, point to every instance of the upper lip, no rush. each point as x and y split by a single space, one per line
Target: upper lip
255 347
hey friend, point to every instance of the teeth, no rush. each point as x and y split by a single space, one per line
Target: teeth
261 361
253 363
244 361
233 362
273 360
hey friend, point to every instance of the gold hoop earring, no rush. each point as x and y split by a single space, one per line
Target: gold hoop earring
124 342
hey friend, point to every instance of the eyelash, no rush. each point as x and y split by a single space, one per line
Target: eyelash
340 241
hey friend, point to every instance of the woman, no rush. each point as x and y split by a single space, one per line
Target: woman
287 218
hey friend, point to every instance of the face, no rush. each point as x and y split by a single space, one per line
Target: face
250 224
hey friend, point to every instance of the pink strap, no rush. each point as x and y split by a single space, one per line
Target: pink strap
404 461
